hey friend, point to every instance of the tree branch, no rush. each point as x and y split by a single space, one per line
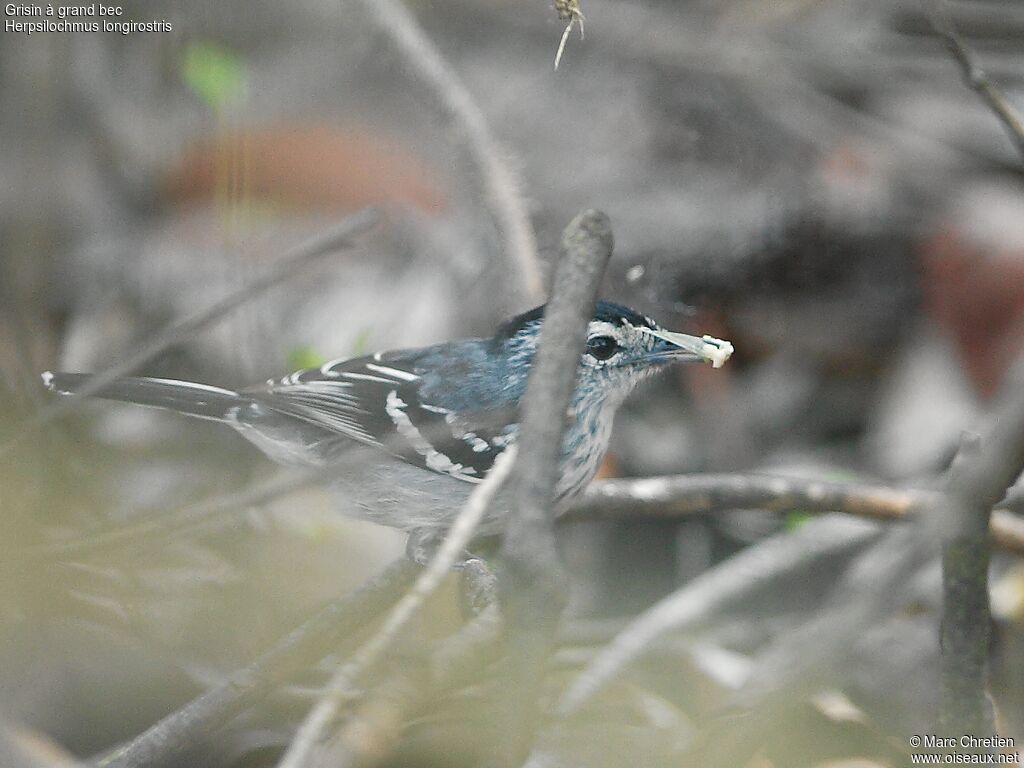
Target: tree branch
314 728
373 730
165 742
681 496
296 259
976 78
496 179
975 485
810 655
726 584
530 586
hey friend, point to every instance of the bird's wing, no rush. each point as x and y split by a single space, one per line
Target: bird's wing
379 401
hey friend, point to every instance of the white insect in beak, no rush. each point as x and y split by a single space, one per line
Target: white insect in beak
706 348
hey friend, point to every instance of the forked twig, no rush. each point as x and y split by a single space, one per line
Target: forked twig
975 76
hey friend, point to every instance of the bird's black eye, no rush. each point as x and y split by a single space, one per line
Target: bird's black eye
602 347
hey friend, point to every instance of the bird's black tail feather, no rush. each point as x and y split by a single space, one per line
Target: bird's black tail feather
200 400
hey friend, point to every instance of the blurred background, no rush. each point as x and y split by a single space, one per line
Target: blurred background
810 179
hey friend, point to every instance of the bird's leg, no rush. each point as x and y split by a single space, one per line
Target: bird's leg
478 587
423 543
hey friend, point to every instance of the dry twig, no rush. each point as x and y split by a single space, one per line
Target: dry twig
314 728
373 729
975 76
290 265
530 585
165 742
568 9
497 181
811 655
681 496
756 568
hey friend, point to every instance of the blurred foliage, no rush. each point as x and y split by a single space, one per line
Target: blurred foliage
215 73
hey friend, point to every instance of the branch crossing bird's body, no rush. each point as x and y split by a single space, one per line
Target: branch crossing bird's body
413 430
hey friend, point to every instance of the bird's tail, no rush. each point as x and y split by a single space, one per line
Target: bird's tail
199 400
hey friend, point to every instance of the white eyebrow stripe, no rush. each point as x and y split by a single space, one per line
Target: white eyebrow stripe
395 372
601 328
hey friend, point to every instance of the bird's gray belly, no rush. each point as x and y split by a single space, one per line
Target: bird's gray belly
379 488
373 485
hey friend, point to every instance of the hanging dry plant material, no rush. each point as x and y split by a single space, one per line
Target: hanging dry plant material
568 9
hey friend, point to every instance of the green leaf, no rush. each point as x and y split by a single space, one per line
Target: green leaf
795 519
216 74
361 346
305 357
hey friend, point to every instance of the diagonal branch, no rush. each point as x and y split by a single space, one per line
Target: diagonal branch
299 257
498 183
811 654
373 730
755 568
975 76
165 742
315 727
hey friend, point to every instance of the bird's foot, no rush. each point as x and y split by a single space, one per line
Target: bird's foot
423 543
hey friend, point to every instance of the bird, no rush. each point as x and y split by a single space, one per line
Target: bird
412 431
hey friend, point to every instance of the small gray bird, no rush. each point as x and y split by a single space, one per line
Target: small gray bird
412 430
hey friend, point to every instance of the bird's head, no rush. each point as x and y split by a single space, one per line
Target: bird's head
623 348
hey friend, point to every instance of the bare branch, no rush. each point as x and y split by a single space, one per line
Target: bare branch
164 742
290 265
680 496
314 728
811 654
497 181
976 483
157 528
530 585
753 569
975 76
372 731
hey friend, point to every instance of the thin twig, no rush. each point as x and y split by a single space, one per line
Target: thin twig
754 569
497 180
568 9
314 728
156 529
529 585
680 496
975 76
302 256
167 740
372 731
811 655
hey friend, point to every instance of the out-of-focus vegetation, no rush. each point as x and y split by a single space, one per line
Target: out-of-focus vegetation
811 180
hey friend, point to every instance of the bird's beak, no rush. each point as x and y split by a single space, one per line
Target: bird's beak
673 346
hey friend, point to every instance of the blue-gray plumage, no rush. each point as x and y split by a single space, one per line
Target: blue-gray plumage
413 430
